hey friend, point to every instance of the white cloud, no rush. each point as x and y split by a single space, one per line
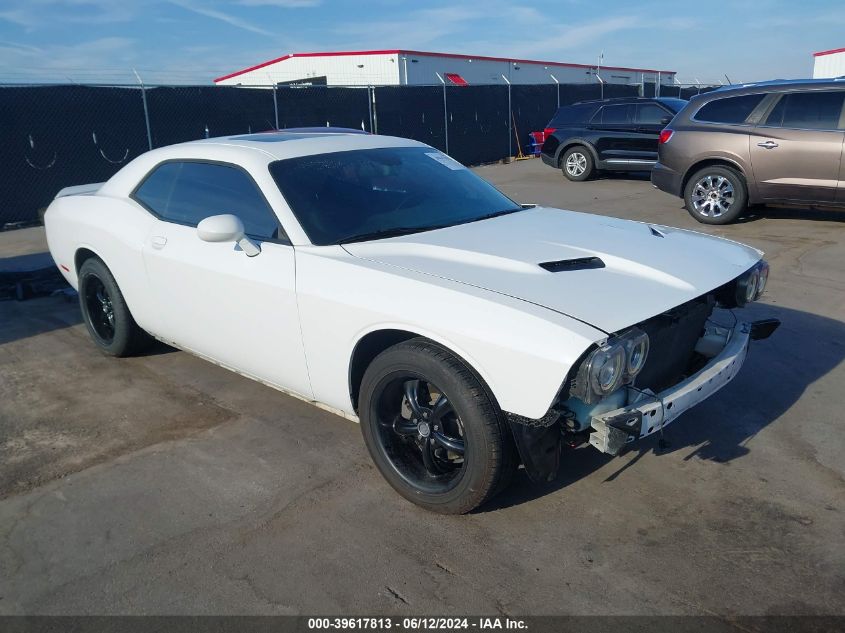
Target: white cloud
78 63
222 16
282 4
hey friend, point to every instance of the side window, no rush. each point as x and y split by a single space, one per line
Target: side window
189 192
157 188
614 115
729 109
651 114
807 110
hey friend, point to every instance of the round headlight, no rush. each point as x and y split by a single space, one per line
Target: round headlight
762 279
607 368
745 288
751 286
637 354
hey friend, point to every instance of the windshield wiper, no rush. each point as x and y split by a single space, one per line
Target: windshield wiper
496 214
407 230
392 232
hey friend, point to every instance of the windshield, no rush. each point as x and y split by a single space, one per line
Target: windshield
375 193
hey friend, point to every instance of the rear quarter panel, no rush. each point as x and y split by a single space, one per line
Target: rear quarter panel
114 229
693 144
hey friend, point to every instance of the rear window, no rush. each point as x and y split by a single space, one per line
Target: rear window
729 109
807 110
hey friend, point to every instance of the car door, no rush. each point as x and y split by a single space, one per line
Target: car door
649 120
796 150
614 133
212 298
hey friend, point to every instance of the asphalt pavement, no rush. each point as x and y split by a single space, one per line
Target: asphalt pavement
166 485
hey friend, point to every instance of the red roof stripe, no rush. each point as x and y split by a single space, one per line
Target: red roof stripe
830 52
450 55
256 67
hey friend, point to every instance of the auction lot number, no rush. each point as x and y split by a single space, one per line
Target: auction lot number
415 624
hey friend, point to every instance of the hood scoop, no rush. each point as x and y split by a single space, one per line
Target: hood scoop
580 263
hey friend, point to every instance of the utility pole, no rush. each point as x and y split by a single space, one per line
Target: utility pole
445 112
598 73
510 119
146 110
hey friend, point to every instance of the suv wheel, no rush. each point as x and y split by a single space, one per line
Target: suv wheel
577 163
716 195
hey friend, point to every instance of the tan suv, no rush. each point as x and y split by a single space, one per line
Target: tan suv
779 141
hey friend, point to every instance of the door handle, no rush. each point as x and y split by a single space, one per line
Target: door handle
158 241
767 145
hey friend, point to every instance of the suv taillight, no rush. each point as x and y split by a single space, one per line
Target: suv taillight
665 135
547 132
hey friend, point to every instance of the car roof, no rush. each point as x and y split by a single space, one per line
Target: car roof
293 142
616 100
774 84
250 151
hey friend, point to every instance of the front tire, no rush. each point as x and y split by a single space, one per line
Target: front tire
716 195
577 164
432 430
106 314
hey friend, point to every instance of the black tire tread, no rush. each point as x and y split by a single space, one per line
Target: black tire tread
131 340
499 463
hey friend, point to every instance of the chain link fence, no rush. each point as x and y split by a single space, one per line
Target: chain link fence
57 136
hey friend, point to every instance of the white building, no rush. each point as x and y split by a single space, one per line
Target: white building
399 67
829 64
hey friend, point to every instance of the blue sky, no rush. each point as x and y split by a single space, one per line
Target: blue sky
193 41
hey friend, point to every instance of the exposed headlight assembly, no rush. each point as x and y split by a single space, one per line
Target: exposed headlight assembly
747 287
610 366
763 267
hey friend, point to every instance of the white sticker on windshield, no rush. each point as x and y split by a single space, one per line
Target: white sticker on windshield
451 163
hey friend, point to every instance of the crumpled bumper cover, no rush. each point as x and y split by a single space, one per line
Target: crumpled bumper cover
613 429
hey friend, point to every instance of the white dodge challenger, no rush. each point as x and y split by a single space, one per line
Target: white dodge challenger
382 280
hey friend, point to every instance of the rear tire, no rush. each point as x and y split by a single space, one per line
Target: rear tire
106 314
716 195
577 164
432 430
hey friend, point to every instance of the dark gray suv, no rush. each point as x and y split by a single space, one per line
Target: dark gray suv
779 141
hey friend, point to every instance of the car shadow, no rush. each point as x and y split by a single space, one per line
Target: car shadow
24 319
42 315
644 176
776 374
35 299
777 212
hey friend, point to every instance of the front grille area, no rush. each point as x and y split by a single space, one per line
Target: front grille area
672 338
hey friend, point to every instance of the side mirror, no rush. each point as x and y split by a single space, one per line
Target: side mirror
227 228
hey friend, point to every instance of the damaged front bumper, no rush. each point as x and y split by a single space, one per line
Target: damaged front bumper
540 441
648 413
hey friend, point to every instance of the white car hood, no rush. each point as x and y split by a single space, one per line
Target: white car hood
648 269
